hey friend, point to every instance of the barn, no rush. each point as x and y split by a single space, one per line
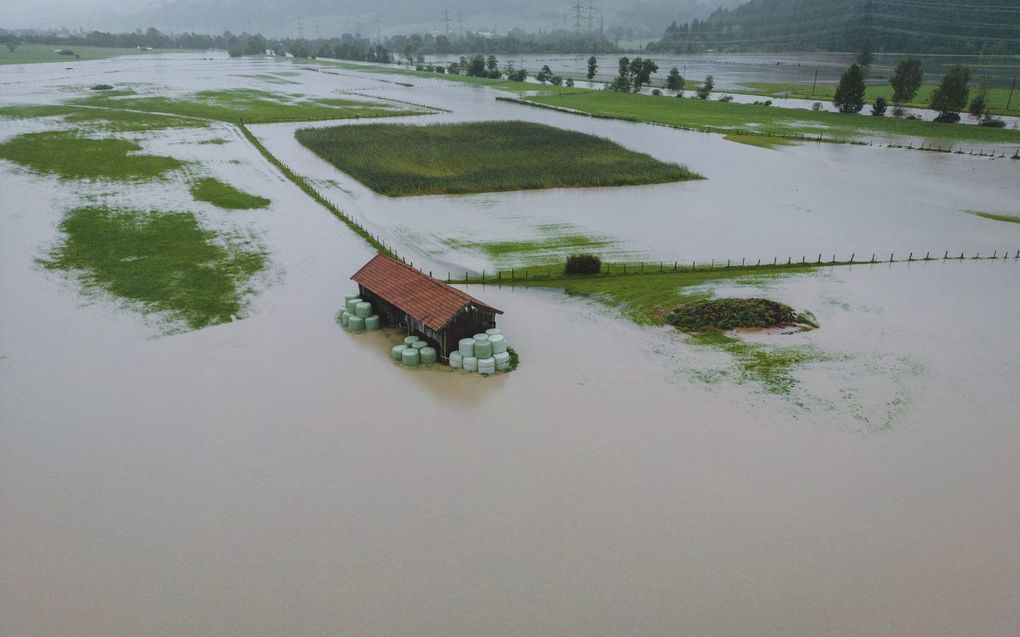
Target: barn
420 305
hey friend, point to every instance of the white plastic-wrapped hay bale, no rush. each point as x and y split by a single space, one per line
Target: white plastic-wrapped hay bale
456 360
410 340
356 324
419 344
353 304
409 357
481 337
498 343
502 361
493 330
372 322
350 297
397 352
345 317
470 363
466 347
427 355
487 366
483 348
363 309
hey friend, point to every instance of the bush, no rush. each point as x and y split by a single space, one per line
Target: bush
726 98
727 314
568 82
878 109
101 87
656 91
817 106
948 118
583 264
991 122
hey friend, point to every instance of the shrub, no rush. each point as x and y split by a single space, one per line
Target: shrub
583 264
948 118
101 87
878 109
727 314
726 98
817 106
991 122
568 82
656 91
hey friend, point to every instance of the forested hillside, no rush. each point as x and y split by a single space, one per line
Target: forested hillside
929 26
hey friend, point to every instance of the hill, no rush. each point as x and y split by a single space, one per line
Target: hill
963 27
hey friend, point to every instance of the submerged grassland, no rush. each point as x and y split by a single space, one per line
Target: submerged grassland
245 105
400 160
994 216
731 118
647 299
163 261
71 155
225 196
30 53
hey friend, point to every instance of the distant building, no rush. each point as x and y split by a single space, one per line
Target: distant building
421 305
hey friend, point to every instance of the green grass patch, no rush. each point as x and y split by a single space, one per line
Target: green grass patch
216 141
997 97
771 366
247 105
399 160
527 250
226 196
163 262
36 53
994 217
101 118
72 156
762 141
732 118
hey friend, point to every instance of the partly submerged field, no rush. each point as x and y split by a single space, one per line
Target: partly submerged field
400 160
727 118
36 53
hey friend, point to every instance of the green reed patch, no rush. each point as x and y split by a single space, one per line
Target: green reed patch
162 262
994 217
226 196
400 160
72 156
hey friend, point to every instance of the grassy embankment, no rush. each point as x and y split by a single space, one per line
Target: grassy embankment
997 97
163 261
36 53
994 216
647 298
225 196
399 160
747 119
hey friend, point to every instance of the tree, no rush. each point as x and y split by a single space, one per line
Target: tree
880 106
979 105
906 80
675 81
568 82
544 75
706 87
951 95
476 68
866 56
641 71
593 67
849 96
491 64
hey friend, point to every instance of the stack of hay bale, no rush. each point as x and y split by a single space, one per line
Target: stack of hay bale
413 352
357 315
484 353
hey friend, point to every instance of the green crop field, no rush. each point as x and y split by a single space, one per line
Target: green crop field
730 118
72 156
36 53
402 160
164 262
998 98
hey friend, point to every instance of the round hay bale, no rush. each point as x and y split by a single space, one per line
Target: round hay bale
350 297
372 322
456 360
419 344
410 340
493 330
481 337
397 352
483 349
470 364
345 318
502 360
363 309
356 324
427 355
487 365
466 347
353 304
409 357
498 343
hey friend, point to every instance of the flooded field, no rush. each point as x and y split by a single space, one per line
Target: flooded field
273 474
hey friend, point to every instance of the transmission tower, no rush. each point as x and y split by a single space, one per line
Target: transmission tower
446 21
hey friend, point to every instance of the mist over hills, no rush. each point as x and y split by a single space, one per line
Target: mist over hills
325 18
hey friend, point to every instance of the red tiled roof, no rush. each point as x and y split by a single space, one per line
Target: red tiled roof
421 297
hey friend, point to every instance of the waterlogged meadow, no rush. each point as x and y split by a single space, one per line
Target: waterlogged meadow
71 155
402 160
224 195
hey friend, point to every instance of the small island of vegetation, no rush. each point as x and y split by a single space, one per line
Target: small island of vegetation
404 159
728 314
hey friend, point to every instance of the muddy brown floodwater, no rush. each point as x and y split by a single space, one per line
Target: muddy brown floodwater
278 476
